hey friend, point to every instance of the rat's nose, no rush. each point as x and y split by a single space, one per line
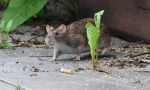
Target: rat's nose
56 33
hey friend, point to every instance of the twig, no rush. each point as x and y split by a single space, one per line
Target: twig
136 55
143 71
41 56
10 84
145 61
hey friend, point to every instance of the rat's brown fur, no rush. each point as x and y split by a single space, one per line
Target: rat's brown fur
73 38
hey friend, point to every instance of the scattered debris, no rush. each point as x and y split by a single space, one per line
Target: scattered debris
34 69
24 68
77 68
99 69
33 74
136 55
17 62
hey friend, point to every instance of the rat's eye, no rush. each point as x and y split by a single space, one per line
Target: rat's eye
56 33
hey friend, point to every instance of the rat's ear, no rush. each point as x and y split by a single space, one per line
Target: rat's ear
49 28
62 28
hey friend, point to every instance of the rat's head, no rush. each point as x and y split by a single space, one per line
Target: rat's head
55 34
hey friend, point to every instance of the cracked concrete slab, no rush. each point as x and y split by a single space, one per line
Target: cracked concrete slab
16 68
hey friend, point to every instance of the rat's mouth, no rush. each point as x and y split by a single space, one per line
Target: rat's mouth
49 40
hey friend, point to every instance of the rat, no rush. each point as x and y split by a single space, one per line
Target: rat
72 39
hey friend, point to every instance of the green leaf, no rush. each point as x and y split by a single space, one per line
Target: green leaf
5 44
8 26
18 11
18 87
97 18
92 35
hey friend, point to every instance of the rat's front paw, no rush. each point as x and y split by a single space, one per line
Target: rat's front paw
77 58
104 51
53 59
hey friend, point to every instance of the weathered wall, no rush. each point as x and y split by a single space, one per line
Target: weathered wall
89 7
127 19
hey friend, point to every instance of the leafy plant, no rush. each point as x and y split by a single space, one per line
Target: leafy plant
93 33
18 87
17 12
5 44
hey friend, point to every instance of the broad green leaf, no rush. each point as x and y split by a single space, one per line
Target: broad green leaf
8 26
92 35
97 18
19 11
